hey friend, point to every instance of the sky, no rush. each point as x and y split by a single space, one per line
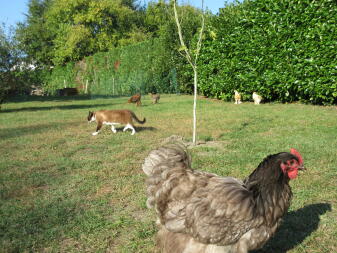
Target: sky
12 11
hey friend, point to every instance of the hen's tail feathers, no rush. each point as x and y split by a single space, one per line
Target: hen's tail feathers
160 164
166 157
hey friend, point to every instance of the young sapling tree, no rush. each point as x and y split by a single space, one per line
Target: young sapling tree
191 58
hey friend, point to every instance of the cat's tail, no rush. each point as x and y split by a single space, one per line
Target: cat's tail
136 119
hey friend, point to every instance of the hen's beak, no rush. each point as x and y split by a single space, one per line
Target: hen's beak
302 168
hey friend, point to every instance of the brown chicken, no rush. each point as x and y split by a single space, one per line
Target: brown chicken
200 212
155 98
135 99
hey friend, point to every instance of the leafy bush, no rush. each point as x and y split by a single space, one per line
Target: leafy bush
142 67
15 75
59 77
285 50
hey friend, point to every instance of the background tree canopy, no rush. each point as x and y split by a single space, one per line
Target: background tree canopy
68 30
15 75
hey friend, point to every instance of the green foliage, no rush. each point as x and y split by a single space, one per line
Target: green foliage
153 65
14 76
60 31
160 23
34 36
59 77
141 67
284 50
83 40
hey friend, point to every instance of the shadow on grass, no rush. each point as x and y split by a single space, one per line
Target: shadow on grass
297 225
18 99
106 129
60 107
141 128
7 133
138 129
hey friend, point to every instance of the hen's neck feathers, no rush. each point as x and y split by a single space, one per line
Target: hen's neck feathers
270 188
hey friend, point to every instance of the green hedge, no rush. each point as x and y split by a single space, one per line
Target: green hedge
285 50
142 67
59 77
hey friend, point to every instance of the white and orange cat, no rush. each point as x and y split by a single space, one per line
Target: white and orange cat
114 117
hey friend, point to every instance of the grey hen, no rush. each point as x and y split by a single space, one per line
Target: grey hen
200 212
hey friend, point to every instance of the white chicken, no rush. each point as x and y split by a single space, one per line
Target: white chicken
237 97
257 98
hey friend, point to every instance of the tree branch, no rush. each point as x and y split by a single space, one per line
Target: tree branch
200 34
182 43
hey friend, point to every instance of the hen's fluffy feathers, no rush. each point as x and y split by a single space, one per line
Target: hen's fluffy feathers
257 98
209 213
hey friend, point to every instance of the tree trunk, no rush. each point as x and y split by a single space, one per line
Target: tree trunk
195 105
113 86
86 86
1 101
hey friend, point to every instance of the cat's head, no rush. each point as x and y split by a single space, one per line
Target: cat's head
91 116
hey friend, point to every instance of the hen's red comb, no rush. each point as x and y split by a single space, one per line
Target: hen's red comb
297 154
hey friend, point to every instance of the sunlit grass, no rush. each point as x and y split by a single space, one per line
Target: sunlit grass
63 190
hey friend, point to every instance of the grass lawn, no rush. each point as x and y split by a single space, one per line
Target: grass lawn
63 190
